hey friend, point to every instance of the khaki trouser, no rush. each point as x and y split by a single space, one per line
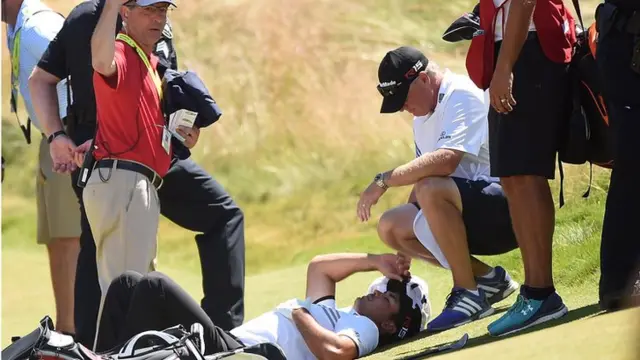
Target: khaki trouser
57 204
123 210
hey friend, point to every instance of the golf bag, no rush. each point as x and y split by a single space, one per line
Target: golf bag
174 343
46 344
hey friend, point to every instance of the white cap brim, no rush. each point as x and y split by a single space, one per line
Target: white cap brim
151 2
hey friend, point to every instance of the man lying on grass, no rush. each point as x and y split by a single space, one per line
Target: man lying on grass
456 209
309 329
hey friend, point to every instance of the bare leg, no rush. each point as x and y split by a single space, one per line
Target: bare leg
396 230
532 214
441 204
413 246
479 268
63 257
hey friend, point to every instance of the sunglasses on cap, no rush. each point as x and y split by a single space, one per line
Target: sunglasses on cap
389 88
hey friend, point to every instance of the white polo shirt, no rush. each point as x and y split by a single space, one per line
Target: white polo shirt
36 33
459 122
276 328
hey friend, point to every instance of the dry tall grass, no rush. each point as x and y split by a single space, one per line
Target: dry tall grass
297 78
301 133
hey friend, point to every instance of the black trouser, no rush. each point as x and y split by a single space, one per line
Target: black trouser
525 141
192 199
136 303
620 247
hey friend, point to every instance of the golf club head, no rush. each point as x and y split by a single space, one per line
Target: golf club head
464 27
449 347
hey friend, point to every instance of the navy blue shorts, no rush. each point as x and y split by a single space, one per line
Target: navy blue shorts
485 213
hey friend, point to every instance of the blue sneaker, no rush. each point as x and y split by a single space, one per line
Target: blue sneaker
526 313
498 287
461 307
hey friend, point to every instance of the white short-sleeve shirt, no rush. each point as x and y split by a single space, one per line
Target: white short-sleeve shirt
38 25
275 328
459 122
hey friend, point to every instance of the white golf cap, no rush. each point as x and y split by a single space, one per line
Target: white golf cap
151 2
416 289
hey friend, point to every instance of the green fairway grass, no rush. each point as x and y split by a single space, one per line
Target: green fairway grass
301 136
584 333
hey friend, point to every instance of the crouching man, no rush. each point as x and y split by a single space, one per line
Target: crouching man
455 208
394 309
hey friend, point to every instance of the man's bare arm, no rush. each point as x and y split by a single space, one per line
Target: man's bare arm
325 271
103 43
515 34
514 37
324 344
412 196
441 162
42 87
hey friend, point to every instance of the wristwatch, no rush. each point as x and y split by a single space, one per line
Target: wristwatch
54 135
379 180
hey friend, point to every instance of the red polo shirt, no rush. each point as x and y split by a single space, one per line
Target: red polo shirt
130 120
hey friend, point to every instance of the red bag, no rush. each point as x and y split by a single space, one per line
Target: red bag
481 55
554 25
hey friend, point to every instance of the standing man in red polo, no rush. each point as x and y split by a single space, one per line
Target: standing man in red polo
132 145
522 57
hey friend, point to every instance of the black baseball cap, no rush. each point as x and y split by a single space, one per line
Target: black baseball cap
465 27
397 70
409 319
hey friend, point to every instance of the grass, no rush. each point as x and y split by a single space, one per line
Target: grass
584 333
300 138
301 135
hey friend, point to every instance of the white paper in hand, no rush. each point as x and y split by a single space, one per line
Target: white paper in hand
181 117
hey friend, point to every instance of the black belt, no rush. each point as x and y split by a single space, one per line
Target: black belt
155 179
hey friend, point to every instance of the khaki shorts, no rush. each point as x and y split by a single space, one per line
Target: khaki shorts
58 207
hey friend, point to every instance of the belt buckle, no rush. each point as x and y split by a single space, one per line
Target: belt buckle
153 180
96 163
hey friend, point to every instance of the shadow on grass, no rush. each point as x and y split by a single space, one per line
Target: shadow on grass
423 335
579 313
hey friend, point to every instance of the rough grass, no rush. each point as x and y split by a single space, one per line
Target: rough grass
300 138
301 135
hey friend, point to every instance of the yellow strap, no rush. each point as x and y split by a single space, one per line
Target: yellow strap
145 60
15 62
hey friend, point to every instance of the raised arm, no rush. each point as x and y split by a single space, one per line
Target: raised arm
325 271
103 42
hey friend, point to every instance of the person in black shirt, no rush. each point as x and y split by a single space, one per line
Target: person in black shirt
189 197
618 58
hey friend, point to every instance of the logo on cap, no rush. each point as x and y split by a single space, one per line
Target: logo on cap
414 70
388 83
